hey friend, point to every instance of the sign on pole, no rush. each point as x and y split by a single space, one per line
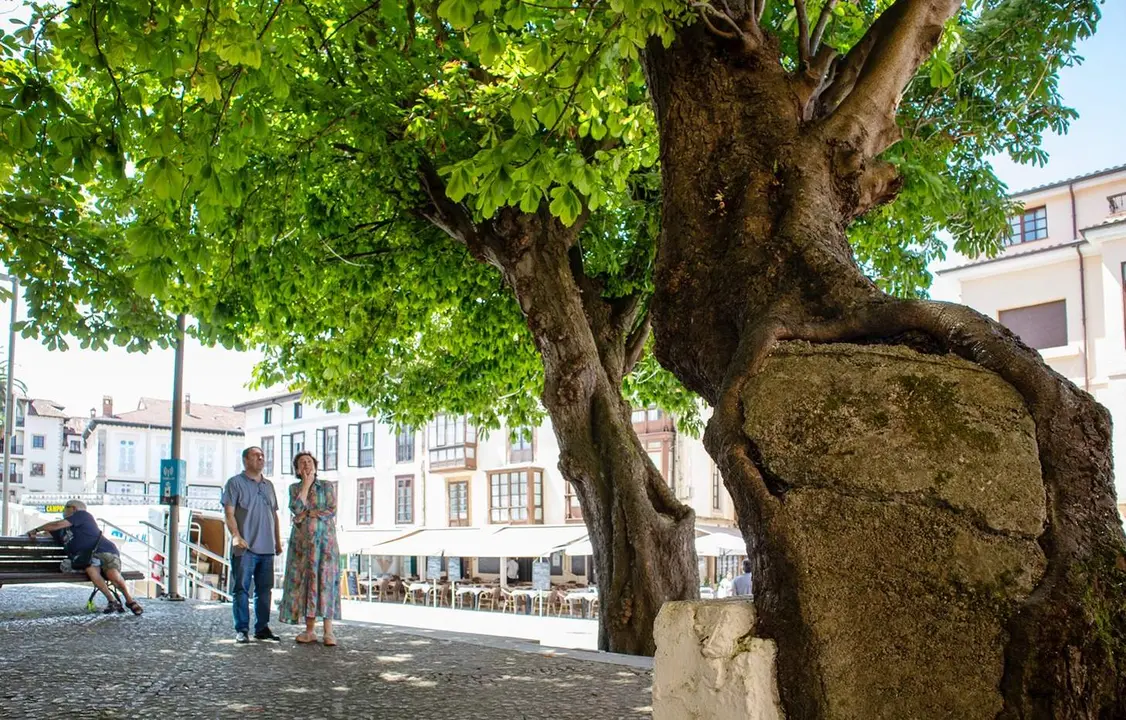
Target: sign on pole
172 473
541 575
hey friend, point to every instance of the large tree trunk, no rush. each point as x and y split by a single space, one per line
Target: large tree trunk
643 537
758 192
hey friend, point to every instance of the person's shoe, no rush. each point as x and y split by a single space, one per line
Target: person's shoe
113 607
267 635
242 638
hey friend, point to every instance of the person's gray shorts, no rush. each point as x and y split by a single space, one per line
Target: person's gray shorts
106 561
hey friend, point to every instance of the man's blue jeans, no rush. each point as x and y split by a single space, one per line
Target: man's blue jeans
251 570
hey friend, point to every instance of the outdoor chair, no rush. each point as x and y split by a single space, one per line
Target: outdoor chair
490 598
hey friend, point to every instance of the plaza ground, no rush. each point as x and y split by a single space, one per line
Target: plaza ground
179 660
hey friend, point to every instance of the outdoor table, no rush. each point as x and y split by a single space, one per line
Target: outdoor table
413 587
475 591
532 595
585 597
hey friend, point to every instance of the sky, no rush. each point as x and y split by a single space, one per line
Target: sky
78 379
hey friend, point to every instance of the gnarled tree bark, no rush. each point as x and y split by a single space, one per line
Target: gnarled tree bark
643 537
763 171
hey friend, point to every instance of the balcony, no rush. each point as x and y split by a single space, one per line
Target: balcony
651 421
454 457
453 444
17 448
15 478
1117 203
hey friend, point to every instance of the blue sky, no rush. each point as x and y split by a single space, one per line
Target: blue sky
79 378
1098 138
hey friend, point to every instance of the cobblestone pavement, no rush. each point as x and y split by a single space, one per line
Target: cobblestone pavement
179 660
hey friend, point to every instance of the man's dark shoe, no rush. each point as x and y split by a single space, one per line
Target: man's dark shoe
242 638
268 635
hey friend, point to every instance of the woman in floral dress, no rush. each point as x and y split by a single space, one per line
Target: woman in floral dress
312 566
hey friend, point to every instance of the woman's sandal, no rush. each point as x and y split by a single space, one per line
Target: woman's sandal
135 607
330 640
311 638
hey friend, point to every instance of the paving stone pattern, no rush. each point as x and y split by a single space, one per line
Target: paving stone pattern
179 660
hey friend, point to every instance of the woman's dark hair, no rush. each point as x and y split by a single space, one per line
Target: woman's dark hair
305 453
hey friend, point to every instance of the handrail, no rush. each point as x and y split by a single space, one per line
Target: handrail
190 573
198 548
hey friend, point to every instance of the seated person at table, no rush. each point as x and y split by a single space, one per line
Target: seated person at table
81 539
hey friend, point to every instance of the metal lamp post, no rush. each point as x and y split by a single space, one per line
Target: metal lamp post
10 403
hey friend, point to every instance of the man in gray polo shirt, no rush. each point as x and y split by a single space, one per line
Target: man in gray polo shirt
251 509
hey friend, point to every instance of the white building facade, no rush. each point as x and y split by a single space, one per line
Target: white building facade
448 475
39 448
124 450
1060 284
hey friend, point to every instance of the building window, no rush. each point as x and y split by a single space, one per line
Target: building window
1117 203
660 452
578 565
521 446
404 499
365 500
287 455
1038 326
453 443
268 451
38 442
1029 226
458 493
571 506
268 416
74 472
206 463
76 447
298 410
38 470
127 456
716 485
651 420
367 444
516 496
298 443
404 446
331 443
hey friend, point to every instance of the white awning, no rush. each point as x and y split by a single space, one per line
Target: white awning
516 541
528 541
356 542
713 545
579 549
720 544
433 542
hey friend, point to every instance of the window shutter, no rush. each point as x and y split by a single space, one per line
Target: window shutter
320 449
353 446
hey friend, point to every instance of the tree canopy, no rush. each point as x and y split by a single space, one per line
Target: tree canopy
266 167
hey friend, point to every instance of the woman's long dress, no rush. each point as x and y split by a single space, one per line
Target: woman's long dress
312 566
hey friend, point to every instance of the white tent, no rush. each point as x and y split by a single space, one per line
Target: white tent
720 544
713 545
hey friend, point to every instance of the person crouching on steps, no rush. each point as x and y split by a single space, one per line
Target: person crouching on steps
89 550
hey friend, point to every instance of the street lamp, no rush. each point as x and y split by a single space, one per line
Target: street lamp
10 403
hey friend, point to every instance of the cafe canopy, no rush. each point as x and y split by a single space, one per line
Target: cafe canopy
514 541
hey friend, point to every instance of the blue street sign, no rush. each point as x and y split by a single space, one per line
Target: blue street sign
172 474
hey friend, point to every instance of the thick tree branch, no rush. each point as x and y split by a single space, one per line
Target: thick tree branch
822 24
803 34
635 344
876 71
450 217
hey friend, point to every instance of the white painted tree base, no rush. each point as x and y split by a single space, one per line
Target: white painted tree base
709 665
